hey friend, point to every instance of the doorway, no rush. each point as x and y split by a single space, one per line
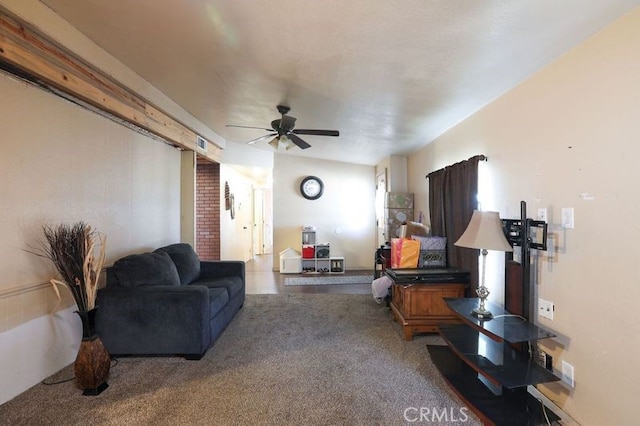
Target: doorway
262 221
381 189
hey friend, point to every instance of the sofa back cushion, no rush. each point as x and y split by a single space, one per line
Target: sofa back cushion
146 269
186 260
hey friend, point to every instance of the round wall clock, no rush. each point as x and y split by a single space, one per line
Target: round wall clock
311 188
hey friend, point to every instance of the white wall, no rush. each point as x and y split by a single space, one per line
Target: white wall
247 155
397 174
61 163
344 216
569 137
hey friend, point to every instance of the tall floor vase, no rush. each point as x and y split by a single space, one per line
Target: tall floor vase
93 361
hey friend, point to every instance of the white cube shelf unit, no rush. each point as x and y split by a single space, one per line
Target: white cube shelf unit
316 257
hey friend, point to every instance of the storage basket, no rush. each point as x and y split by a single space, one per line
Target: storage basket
308 252
322 251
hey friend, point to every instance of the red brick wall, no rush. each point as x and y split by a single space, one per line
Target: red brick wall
208 210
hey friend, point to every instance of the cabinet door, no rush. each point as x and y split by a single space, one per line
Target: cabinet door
426 301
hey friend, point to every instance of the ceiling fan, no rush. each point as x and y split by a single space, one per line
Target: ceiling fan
283 133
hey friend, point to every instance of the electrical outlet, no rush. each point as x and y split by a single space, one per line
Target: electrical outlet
567 218
567 374
545 309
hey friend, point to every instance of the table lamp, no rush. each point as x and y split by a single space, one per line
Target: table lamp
484 232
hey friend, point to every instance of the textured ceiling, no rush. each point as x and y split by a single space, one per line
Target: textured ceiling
390 75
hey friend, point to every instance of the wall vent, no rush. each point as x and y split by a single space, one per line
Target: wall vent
201 143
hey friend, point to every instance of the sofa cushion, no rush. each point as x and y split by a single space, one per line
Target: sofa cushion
146 269
232 285
218 299
186 261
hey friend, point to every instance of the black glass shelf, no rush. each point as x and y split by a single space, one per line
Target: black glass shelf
503 325
513 407
499 362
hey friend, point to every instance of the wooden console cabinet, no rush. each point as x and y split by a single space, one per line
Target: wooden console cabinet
417 299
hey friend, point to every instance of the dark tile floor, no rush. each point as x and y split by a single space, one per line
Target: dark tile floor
261 279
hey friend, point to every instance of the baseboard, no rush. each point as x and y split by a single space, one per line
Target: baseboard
33 351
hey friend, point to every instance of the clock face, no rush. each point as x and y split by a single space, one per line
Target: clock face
311 188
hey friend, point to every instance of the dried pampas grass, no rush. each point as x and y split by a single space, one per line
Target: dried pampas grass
71 248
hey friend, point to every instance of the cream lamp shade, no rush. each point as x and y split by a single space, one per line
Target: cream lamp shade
484 232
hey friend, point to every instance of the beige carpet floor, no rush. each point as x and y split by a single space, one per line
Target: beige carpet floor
299 359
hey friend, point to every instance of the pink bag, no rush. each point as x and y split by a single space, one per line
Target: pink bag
405 253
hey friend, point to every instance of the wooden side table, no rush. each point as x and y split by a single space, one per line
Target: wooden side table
417 300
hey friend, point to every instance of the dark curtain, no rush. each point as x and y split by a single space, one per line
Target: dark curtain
436 202
453 196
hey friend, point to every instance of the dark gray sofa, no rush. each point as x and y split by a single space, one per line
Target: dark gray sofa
168 302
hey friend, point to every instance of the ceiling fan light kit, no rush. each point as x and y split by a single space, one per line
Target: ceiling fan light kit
281 142
285 136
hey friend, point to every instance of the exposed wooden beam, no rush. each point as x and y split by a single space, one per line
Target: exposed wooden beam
50 64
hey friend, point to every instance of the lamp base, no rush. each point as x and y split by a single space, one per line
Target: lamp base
482 313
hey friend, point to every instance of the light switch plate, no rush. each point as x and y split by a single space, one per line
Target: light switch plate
542 214
567 217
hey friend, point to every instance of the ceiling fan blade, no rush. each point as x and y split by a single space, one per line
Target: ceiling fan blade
298 141
316 132
252 141
249 127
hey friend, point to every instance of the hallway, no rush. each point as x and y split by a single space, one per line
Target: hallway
261 279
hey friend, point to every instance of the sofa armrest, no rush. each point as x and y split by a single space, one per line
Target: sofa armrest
222 268
154 319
